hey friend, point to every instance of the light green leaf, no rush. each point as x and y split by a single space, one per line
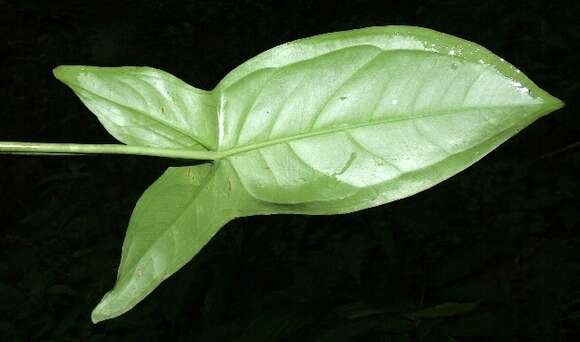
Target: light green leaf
356 119
172 221
325 125
145 106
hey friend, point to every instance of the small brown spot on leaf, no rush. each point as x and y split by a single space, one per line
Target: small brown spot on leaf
162 109
229 181
139 273
189 172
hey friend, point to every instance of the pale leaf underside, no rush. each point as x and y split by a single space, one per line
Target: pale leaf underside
324 125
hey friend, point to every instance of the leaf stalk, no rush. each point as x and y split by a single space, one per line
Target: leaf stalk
16 147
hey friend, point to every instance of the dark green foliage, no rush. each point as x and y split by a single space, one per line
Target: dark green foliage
503 234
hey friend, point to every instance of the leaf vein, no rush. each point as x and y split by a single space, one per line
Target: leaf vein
337 129
245 116
372 153
143 114
316 115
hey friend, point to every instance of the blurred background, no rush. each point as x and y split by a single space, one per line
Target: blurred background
499 243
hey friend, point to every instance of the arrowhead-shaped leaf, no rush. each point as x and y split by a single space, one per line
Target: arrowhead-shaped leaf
329 124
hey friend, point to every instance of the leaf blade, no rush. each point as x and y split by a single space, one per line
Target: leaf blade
326 125
176 216
355 98
145 106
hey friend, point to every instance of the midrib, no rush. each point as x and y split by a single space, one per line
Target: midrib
314 133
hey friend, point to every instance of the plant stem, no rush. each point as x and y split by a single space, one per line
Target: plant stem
15 147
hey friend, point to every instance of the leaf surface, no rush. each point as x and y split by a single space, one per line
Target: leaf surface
176 216
341 122
145 106
324 125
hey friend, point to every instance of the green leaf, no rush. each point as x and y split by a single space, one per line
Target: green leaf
356 119
172 221
325 125
145 106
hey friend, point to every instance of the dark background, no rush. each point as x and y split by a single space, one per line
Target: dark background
504 233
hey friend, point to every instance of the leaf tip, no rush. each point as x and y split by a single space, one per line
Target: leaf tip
552 104
98 315
67 73
101 311
558 103
60 72
109 307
